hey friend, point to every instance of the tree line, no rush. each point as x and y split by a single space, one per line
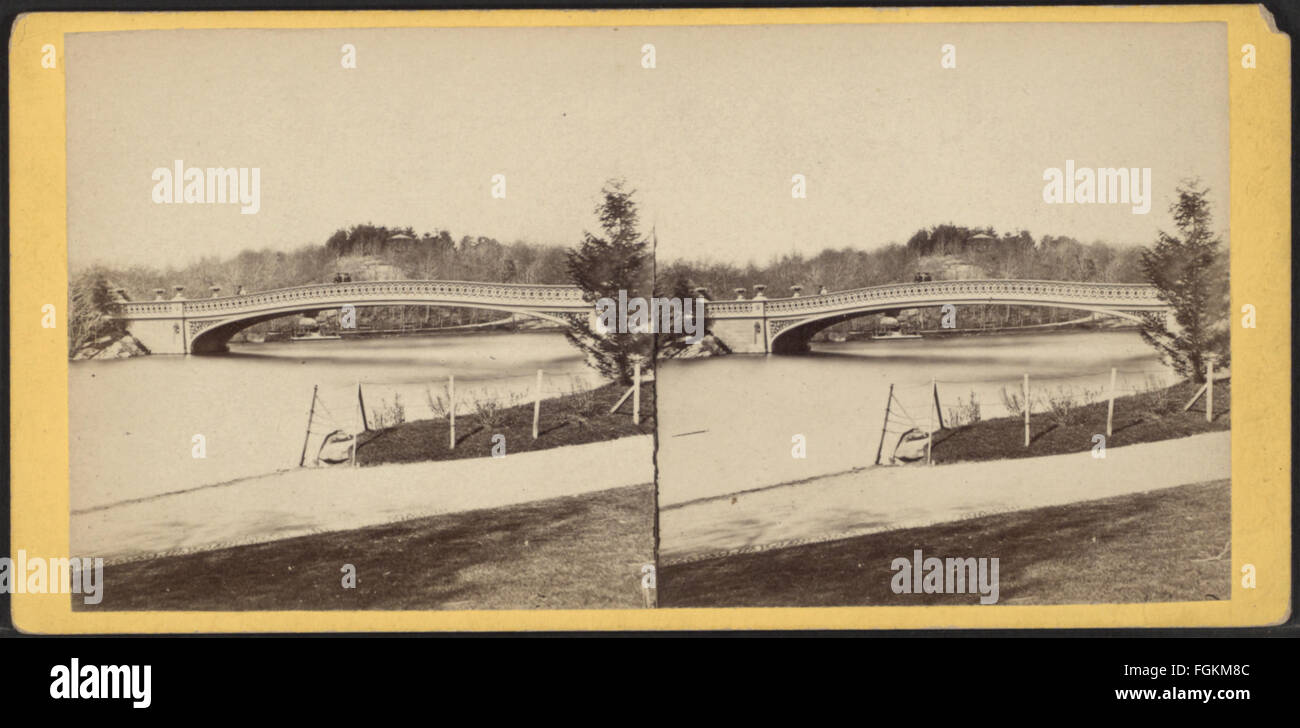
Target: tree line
1011 255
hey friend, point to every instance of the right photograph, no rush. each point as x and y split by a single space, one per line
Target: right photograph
966 322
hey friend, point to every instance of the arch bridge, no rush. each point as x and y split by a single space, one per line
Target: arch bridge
205 325
780 325
786 325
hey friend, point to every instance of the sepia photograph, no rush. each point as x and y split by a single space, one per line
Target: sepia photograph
764 319
338 338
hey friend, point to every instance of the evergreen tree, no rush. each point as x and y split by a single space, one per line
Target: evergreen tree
1191 276
604 266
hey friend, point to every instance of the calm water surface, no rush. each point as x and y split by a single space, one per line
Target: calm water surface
132 421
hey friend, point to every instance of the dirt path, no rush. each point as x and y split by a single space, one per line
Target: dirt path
884 499
301 502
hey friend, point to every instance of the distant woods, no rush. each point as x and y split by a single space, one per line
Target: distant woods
944 251
428 256
440 256
367 252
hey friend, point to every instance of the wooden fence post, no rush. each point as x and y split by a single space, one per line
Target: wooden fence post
310 415
356 439
934 384
636 393
451 409
537 403
1026 409
885 425
1110 407
361 406
929 446
1209 389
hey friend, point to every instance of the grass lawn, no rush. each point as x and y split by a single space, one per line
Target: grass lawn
574 552
572 419
1146 417
1166 545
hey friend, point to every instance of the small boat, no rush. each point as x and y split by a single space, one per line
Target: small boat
308 330
890 328
314 336
336 448
894 335
913 446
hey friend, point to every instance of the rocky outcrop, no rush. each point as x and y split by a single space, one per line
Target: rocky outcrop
111 347
369 268
949 268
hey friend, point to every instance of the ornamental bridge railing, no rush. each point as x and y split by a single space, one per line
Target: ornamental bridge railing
1120 296
1113 296
505 295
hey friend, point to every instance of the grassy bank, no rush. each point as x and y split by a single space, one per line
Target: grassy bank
1146 417
572 419
564 553
1166 545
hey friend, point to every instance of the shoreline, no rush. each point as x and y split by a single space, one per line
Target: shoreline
125 346
1063 327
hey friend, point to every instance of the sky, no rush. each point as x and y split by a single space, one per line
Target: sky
887 140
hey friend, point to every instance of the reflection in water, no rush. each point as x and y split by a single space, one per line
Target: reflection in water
727 424
131 421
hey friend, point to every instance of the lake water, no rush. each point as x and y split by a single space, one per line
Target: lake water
727 423
132 421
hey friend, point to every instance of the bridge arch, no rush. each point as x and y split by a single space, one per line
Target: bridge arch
213 336
205 325
793 337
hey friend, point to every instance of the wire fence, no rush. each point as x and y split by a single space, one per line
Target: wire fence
338 414
914 412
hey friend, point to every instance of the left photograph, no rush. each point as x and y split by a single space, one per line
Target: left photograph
332 331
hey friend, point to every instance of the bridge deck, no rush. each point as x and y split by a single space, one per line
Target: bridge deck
1118 296
513 295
